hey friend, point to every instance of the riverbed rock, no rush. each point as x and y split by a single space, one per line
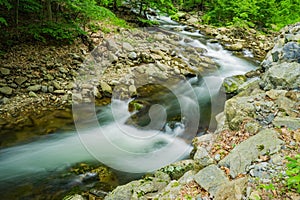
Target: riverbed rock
4 71
232 190
34 88
202 158
266 141
132 55
232 84
20 80
238 109
137 189
106 89
6 90
211 178
127 47
282 76
287 121
111 45
235 47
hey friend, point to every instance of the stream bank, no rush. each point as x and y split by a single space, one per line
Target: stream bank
246 157
158 70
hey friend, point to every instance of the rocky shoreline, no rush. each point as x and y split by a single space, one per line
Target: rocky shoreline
39 94
245 158
240 40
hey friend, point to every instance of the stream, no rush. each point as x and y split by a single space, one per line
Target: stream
38 166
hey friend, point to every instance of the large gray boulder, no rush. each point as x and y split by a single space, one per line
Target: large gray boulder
266 141
137 189
282 76
286 48
211 178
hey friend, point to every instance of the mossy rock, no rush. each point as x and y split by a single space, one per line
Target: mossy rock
232 84
178 169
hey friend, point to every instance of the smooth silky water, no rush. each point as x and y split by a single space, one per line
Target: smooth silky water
123 147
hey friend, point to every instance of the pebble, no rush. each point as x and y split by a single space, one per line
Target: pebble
132 55
4 71
50 89
34 88
44 89
32 94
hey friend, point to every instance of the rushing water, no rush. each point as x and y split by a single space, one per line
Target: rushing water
126 148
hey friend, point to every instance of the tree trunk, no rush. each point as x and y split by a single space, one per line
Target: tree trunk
49 10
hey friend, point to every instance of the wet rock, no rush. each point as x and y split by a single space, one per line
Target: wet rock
211 178
282 76
74 197
21 80
132 90
106 89
6 90
4 71
34 88
266 141
232 84
287 121
235 47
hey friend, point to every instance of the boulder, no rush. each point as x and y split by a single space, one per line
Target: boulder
282 76
238 109
266 141
286 121
127 47
211 178
232 84
232 190
111 45
106 89
137 189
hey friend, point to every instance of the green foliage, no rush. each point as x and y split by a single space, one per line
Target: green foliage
55 19
293 172
57 31
3 21
267 187
253 13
